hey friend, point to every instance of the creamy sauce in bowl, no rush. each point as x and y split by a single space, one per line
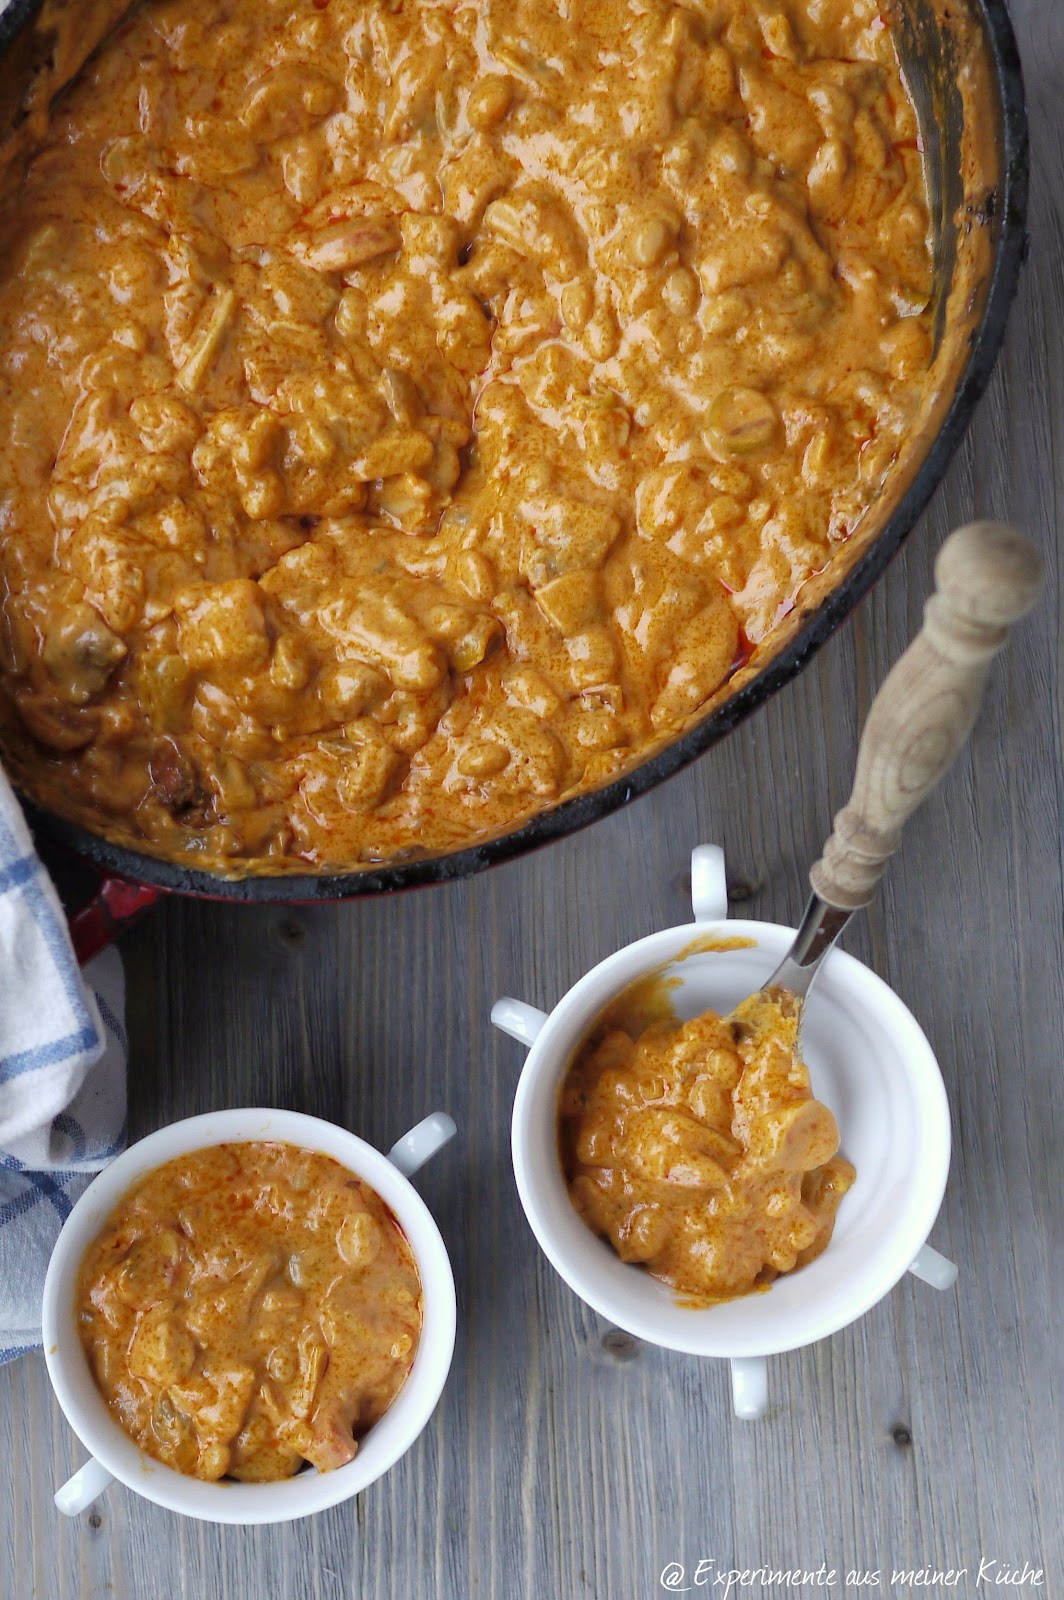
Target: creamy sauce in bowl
249 1308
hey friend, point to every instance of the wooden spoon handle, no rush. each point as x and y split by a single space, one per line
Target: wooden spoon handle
987 576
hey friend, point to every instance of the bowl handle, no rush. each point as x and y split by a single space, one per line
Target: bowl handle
938 1271
422 1142
79 1492
521 1022
709 883
749 1386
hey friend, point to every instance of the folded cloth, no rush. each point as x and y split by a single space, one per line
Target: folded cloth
62 1075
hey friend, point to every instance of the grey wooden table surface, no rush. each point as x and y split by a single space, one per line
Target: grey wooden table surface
563 1462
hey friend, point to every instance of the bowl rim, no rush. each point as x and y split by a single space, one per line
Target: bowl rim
569 816
542 1063
246 1503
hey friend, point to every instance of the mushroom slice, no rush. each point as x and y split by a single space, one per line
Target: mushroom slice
348 244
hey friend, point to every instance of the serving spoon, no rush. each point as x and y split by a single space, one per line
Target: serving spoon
987 576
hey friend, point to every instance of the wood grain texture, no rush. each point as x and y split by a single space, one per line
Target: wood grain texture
556 1465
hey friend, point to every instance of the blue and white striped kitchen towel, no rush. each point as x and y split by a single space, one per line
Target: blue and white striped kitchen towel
62 1075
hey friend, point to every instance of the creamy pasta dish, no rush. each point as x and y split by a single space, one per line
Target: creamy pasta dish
416 410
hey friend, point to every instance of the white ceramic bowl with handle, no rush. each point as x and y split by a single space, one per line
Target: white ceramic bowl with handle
113 1452
868 1060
